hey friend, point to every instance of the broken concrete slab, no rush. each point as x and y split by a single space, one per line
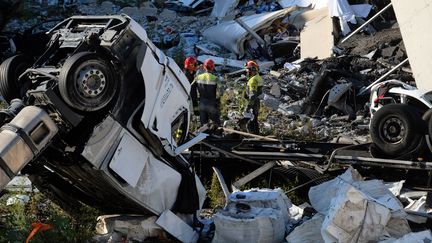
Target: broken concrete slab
275 90
321 26
271 102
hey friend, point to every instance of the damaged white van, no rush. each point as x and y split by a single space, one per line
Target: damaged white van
97 118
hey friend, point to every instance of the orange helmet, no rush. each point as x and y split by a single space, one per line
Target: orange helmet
190 63
252 66
209 65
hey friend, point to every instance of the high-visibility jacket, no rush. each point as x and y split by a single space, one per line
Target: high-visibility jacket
254 89
207 84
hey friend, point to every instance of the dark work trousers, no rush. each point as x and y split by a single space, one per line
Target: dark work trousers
194 95
209 110
253 126
194 91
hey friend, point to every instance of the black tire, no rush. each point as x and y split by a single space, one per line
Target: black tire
397 129
429 127
87 82
10 70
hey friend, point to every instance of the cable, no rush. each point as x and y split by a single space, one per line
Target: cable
328 91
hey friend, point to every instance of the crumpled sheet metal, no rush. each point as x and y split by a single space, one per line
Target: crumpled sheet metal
337 8
232 36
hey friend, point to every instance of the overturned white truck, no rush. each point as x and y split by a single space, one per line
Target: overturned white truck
97 119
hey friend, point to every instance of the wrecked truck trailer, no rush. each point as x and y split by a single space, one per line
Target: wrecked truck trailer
97 118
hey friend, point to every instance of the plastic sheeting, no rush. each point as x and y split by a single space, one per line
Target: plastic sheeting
253 216
255 225
357 210
263 198
354 218
232 36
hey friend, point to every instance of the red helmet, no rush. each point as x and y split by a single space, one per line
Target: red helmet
190 63
209 65
252 66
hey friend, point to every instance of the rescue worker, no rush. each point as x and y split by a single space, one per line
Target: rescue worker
208 86
254 89
190 69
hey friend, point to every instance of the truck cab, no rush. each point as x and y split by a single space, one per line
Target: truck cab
114 110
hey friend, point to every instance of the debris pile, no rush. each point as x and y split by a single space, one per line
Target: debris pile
314 73
345 209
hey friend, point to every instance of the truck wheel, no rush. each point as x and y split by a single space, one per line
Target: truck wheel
10 70
396 129
430 128
87 82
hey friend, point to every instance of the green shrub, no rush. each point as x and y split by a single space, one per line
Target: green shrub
215 193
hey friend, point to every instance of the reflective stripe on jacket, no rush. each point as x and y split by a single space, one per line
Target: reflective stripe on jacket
207 84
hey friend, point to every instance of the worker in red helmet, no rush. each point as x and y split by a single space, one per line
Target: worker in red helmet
190 69
254 89
208 86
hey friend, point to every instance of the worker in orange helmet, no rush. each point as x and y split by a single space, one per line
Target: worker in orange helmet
254 89
209 94
190 69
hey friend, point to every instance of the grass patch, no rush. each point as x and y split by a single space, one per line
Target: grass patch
16 220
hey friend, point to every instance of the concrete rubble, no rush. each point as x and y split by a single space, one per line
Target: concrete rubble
311 86
276 33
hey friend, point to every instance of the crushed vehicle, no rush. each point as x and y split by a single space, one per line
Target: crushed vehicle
97 119
401 122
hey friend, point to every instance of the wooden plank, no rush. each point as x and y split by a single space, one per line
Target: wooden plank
254 174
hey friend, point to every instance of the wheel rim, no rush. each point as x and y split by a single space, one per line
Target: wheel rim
91 81
393 130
